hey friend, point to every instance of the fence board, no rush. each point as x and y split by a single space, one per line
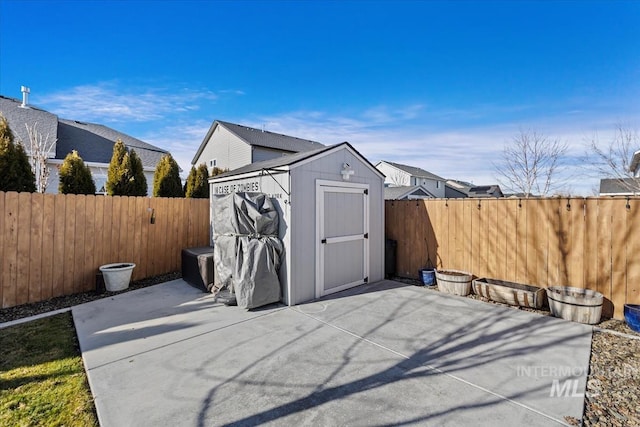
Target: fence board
98 247
79 246
35 248
52 245
536 241
619 255
591 245
10 242
633 252
48 227
24 243
88 267
576 257
490 207
69 247
2 236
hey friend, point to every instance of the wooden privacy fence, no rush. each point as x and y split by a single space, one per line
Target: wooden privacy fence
589 243
53 244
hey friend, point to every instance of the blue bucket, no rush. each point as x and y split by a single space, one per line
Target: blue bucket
428 276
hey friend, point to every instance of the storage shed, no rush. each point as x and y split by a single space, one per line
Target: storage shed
330 203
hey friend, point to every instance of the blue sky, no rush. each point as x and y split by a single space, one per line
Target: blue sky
439 85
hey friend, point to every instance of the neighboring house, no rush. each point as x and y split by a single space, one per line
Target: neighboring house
407 192
619 187
231 146
93 142
460 189
623 186
398 175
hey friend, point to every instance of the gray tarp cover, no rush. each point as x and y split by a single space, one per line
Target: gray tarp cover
246 248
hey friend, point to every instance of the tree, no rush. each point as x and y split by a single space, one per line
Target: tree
15 171
166 180
117 172
137 180
613 159
75 176
39 148
197 185
125 176
531 164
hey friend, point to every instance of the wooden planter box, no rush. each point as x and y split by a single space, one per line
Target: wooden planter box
454 282
510 293
575 304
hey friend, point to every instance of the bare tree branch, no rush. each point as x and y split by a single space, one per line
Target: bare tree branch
530 164
39 148
613 159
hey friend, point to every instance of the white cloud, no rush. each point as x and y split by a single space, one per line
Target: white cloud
457 152
182 140
110 102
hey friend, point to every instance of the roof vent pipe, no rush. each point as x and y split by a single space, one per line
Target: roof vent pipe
25 95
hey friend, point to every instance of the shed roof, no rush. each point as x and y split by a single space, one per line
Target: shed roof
291 160
260 138
414 171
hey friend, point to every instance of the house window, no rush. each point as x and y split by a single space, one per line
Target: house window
213 163
437 184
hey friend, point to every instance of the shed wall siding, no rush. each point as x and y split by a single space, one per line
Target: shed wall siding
229 151
303 181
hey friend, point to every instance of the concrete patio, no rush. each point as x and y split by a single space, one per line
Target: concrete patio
382 354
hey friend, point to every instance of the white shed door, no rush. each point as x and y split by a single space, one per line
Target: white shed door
342 231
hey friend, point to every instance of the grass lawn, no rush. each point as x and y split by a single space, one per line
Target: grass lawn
42 378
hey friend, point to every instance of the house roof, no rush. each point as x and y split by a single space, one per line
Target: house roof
414 171
485 191
260 138
94 143
397 193
621 187
454 192
290 160
17 116
466 189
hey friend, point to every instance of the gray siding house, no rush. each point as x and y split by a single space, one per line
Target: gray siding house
623 186
93 142
398 175
229 146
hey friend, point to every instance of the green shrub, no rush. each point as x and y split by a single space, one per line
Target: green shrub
15 171
197 185
166 180
125 176
75 176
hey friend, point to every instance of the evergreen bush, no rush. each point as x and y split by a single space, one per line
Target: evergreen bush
166 180
15 171
75 176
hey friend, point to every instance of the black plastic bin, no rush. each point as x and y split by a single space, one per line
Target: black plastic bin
390 249
197 267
